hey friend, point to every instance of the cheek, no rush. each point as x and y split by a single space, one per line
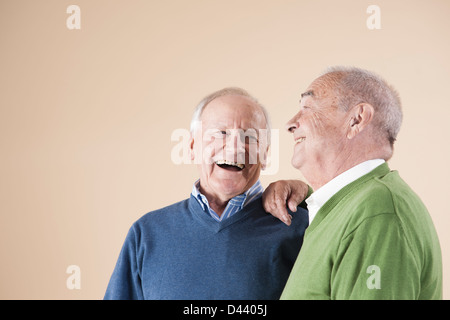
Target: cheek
322 125
209 149
252 154
314 125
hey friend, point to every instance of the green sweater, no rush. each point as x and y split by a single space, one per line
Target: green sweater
374 239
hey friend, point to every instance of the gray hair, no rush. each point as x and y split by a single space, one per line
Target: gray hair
354 85
227 92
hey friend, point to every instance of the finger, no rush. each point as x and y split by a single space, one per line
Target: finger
292 204
281 212
274 202
294 200
268 202
268 198
296 196
277 208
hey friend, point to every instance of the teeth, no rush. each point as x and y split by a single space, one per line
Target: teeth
299 140
230 163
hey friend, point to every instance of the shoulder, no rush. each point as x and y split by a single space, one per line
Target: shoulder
299 220
163 216
399 190
370 202
381 194
386 203
388 194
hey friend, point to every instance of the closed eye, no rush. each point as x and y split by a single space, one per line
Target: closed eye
220 134
252 139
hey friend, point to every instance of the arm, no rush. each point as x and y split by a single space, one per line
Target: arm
125 282
375 261
284 192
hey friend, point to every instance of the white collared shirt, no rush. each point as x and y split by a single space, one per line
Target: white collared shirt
319 197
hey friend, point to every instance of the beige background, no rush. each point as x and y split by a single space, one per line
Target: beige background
86 116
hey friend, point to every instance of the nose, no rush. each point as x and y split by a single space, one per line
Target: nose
235 147
293 124
234 141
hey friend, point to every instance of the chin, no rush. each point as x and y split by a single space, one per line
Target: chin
232 187
296 163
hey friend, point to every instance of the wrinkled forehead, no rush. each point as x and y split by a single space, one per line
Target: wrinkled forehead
320 89
233 112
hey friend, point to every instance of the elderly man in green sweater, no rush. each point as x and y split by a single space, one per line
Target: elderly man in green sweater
370 236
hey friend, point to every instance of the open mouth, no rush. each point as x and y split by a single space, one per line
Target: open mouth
300 140
230 165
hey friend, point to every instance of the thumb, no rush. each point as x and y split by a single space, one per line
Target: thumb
292 204
296 197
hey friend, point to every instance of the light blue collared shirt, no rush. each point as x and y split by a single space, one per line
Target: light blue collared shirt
234 204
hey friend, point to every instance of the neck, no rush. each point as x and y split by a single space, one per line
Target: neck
355 151
323 173
216 203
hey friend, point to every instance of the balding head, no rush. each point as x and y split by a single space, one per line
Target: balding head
353 86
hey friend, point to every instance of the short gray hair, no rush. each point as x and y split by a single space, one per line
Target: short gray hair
227 92
354 85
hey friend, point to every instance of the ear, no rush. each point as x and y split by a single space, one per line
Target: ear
360 116
191 147
263 158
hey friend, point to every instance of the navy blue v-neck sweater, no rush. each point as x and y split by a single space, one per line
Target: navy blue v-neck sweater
181 252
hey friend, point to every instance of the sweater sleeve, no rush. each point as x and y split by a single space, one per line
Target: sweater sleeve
125 282
375 261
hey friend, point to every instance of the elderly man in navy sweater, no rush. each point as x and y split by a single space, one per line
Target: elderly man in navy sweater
219 243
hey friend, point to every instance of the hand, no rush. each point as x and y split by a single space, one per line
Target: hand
282 192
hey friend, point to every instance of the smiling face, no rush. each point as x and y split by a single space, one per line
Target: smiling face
319 130
226 147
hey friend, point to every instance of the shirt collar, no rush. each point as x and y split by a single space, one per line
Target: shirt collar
234 204
319 197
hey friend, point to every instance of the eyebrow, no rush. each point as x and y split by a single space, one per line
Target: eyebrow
308 93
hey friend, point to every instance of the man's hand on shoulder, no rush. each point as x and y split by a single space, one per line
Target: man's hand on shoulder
281 193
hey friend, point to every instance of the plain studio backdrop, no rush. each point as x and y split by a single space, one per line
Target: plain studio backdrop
90 99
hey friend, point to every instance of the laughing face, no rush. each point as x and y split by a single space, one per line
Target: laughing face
226 146
319 130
